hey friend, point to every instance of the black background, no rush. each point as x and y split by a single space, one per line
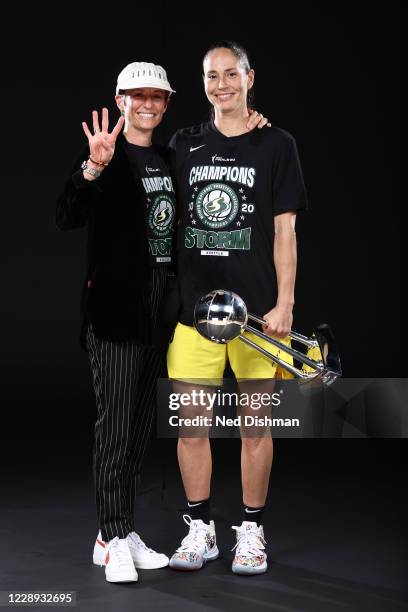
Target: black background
328 77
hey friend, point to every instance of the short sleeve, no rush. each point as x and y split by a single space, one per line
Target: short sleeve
288 187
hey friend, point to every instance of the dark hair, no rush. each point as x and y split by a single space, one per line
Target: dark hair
241 54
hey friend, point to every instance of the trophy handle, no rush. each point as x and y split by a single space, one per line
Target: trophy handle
327 369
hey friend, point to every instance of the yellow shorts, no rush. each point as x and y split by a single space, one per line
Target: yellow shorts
193 358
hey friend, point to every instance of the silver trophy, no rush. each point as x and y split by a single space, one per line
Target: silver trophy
222 316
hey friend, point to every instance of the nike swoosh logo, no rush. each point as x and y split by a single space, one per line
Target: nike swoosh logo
195 148
250 511
193 505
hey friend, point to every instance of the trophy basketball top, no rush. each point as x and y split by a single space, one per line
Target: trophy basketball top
220 316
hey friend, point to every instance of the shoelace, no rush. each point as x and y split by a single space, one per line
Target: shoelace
120 551
138 542
249 542
194 539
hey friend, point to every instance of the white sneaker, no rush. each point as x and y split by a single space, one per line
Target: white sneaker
250 556
119 566
99 551
198 547
143 557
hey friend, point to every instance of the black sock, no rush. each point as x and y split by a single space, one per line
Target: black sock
199 510
253 514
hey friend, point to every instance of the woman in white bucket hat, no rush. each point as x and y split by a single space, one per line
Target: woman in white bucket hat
121 189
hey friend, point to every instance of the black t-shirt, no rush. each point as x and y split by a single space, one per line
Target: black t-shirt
160 207
229 189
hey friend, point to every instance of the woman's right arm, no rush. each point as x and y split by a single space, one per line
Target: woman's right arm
83 189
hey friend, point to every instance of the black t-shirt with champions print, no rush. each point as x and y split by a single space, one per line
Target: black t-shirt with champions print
229 189
160 208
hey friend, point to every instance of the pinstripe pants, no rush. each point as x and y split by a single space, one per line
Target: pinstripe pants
124 378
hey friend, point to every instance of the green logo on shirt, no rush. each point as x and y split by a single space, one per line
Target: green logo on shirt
217 205
201 239
161 214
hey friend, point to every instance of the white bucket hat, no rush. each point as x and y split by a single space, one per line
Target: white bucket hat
143 74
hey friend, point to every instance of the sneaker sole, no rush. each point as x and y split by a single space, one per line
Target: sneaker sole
185 568
117 578
148 566
101 563
250 571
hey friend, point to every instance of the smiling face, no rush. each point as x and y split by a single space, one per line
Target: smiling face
143 108
226 81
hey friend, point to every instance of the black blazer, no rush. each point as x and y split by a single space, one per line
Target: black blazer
115 295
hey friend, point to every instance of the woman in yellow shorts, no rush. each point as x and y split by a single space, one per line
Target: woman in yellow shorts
239 193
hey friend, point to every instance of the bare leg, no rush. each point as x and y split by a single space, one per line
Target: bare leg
195 461
193 449
256 464
257 448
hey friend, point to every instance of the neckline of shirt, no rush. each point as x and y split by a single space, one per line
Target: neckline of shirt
137 147
214 129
